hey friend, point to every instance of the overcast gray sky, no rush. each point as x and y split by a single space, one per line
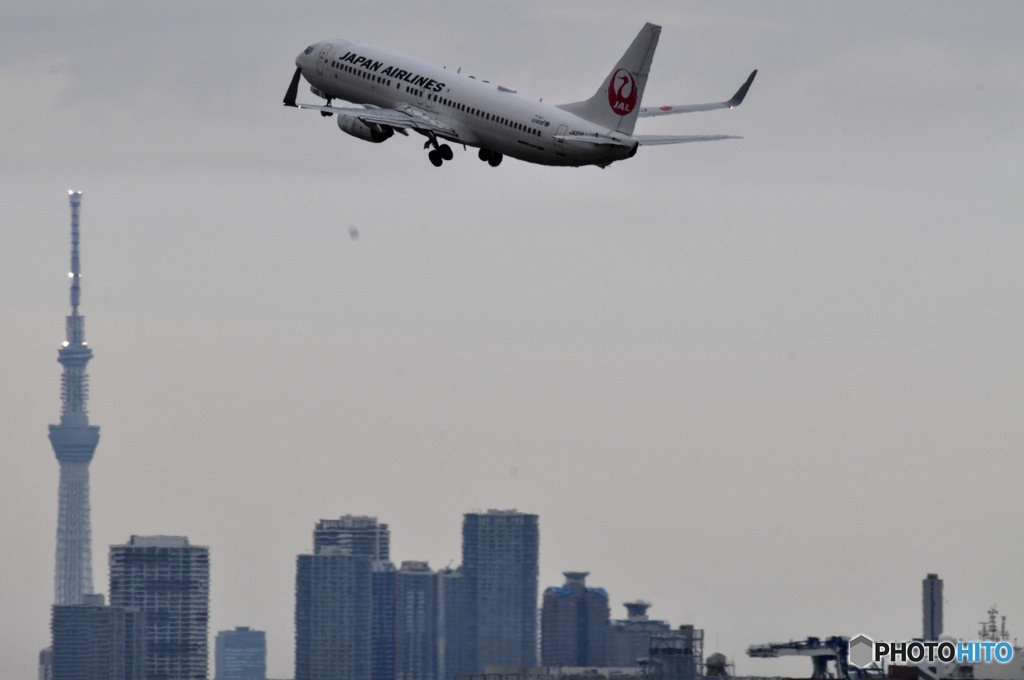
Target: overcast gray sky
767 384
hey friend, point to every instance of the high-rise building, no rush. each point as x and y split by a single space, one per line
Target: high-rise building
333 619
455 625
169 580
382 611
95 642
74 442
46 664
355 544
574 623
416 619
365 538
931 597
629 639
500 562
354 535
241 654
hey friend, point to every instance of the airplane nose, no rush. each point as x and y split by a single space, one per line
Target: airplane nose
302 59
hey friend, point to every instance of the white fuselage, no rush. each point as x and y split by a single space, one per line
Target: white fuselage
479 113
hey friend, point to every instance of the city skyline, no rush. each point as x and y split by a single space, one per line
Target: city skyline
708 372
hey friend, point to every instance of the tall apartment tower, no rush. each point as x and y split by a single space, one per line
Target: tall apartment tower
95 642
382 611
169 580
574 623
500 550
931 588
74 441
416 619
241 654
354 535
344 603
333 620
455 627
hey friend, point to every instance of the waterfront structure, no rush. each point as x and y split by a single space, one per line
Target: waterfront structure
557 673
241 654
74 442
168 579
629 639
416 619
574 623
931 605
92 641
676 654
500 562
333 620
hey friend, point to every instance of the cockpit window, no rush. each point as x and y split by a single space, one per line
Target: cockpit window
309 49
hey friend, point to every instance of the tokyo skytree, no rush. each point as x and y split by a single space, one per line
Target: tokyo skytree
74 442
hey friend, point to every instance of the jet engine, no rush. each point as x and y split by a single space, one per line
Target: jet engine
371 132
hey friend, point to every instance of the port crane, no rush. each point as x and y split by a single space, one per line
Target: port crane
833 649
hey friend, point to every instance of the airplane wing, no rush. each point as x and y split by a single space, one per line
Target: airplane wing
653 140
401 117
737 99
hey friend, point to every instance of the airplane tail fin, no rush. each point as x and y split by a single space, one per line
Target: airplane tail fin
616 104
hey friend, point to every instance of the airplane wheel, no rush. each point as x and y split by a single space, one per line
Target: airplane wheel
326 114
446 152
484 155
495 160
435 158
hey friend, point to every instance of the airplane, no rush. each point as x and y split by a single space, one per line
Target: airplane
398 93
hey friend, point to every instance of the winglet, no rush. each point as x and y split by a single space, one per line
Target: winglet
293 89
737 98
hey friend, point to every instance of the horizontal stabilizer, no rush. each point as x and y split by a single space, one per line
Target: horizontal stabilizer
655 140
737 99
597 140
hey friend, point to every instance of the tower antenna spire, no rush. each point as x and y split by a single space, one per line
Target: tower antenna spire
75 198
74 442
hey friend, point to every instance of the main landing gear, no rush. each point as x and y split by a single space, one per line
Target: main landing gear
493 158
327 114
440 154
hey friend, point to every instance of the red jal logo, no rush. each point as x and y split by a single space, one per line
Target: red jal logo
622 92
